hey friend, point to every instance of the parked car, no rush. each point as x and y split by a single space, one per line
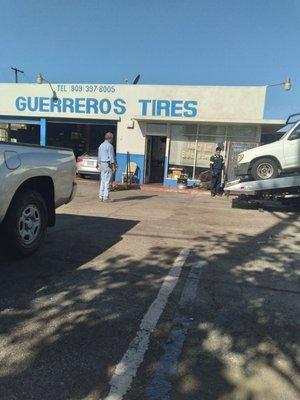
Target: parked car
268 161
87 164
34 181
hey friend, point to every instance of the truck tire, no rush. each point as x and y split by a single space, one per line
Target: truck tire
25 224
264 168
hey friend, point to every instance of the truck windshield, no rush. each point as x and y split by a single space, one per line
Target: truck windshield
287 129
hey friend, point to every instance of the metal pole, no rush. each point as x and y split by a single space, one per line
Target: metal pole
195 154
226 155
16 71
127 168
130 179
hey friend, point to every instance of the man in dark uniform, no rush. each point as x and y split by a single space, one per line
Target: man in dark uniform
216 168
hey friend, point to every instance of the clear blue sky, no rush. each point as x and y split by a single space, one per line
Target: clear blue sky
197 42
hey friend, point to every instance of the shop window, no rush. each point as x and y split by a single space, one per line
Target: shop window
206 146
157 128
182 150
20 133
212 130
209 137
243 132
3 133
191 146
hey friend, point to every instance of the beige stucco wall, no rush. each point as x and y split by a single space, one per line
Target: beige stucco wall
213 103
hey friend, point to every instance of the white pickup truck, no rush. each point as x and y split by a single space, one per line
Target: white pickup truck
34 181
268 161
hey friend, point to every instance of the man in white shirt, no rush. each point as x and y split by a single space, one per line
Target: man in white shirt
107 165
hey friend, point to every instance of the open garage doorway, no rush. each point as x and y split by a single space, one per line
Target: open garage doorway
82 137
155 159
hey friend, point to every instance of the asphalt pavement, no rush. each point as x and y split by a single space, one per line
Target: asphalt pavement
157 296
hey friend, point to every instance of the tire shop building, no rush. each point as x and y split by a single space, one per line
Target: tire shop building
165 130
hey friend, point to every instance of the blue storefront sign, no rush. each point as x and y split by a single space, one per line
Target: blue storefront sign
104 106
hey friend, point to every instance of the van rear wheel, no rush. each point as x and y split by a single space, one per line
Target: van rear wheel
264 168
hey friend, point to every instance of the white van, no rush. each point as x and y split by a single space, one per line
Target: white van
268 161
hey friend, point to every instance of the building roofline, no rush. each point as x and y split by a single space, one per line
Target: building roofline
274 122
138 85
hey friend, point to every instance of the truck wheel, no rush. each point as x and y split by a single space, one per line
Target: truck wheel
264 168
26 223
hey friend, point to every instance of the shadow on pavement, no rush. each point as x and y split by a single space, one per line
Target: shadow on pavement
64 313
244 342
70 320
287 206
130 198
87 177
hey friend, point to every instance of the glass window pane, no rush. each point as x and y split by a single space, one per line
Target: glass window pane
212 130
235 148
205 149
295 134
182 150
20 133
183 130
210 137
3 133
242 132
157 128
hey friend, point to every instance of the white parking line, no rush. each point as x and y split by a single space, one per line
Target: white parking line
127 368
160 386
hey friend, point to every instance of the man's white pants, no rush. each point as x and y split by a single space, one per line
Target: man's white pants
106 175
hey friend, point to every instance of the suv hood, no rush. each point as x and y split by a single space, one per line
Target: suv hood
263 150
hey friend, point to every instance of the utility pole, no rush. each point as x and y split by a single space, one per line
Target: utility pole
16 73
